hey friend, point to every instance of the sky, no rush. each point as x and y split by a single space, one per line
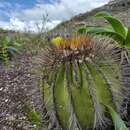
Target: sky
33 15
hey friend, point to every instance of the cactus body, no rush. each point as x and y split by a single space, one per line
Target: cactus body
82 79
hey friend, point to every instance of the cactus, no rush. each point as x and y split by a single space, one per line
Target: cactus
83 75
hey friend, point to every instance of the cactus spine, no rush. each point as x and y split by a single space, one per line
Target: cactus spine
84 75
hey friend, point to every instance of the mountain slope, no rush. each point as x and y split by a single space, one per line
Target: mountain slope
118 8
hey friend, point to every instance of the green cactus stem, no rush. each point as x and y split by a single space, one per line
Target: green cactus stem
83 75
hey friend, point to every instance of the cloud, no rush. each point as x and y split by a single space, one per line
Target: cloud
57 10
32 26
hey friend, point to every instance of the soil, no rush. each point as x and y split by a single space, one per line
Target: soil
17 86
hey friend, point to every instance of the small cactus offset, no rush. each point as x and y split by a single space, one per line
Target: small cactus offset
83 76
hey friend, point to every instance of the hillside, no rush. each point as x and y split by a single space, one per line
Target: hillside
118 8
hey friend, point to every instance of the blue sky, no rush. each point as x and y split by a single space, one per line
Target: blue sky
27 14
9 5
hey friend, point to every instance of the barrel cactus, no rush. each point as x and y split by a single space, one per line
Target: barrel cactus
82 76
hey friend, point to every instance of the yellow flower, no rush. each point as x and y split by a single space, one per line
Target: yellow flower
72 43
57 41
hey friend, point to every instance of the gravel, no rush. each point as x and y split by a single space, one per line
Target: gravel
17 86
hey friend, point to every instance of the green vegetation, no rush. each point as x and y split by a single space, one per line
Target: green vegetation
33 117
115 30
80 86
118 122
8 48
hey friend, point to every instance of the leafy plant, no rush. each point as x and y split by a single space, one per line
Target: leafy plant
118 122
8 48
33 117
116 30
82 75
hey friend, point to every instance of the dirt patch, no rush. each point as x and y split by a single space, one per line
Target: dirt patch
17 86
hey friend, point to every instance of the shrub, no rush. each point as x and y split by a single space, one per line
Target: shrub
8 48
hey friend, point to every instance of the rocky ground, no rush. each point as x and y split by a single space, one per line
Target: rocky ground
17 86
